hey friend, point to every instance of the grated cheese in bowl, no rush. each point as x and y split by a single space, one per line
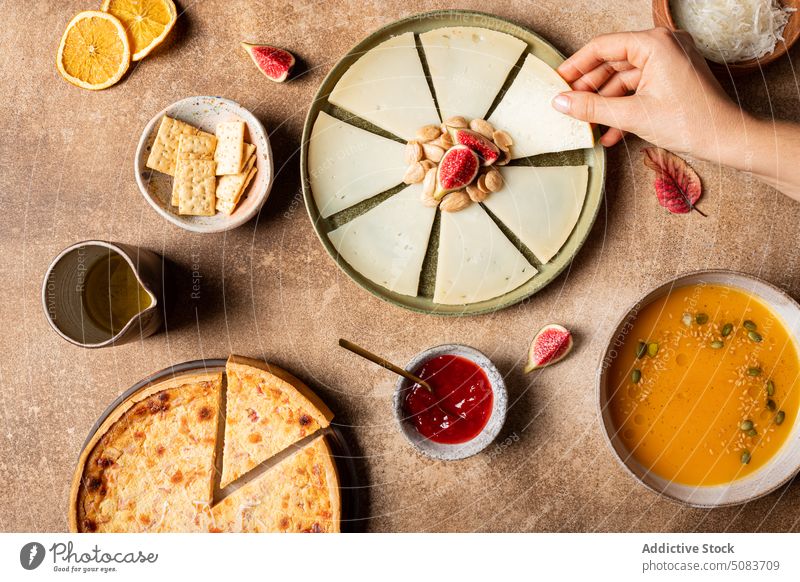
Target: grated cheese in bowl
730 31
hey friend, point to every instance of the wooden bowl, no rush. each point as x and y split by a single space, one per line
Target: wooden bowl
662 16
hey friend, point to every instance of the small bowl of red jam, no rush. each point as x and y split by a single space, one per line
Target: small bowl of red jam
465 411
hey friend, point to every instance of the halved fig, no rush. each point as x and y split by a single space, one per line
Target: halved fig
550 345
457 169
488 152
275 63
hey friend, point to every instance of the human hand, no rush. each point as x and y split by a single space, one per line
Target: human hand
655 84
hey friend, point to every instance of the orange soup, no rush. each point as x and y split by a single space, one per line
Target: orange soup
706 385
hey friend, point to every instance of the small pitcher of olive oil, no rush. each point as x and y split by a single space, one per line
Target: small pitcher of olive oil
96 293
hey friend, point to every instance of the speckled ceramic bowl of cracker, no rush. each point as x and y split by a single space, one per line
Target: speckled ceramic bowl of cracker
493 426
204 112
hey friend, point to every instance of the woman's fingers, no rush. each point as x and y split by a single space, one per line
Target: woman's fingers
594 108
595 79
632 47
621 84
612 137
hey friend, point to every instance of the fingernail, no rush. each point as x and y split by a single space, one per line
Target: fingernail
561 103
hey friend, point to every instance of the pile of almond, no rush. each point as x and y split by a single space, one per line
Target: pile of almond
433 143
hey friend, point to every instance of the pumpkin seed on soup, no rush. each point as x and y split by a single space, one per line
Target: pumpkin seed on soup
701 319
771 405
754 336
754 371
746 425
780 417
641 349
752 432
636 375
749 325
652 349
727 329
716 344
745 457
770 388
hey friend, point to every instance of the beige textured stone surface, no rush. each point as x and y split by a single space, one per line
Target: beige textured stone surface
269 289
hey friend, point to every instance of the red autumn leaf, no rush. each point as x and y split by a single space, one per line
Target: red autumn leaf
678 187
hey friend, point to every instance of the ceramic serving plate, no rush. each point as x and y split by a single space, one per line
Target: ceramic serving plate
204 113
594 158
777 472
352 509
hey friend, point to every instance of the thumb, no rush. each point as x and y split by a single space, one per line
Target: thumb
616 112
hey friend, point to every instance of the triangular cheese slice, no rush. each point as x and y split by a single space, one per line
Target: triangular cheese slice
268 409
468 67
347 164
540 205
150 466
526 113
387 87
299 494
476 261
388 243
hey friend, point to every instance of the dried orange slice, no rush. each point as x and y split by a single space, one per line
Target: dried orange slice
94 52
148 22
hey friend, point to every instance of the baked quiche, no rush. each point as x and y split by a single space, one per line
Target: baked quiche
299 494
267 410
150 467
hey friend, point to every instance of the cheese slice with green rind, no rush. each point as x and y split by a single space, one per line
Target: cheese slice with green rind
387 87
540 206
527 114
347 164
387 244
476 260
468 67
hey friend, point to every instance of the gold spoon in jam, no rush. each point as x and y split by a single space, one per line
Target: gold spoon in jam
384 363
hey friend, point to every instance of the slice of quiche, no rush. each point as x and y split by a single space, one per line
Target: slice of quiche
299 494
150 467
267 410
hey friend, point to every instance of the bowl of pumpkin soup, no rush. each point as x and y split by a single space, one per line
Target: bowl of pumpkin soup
698 390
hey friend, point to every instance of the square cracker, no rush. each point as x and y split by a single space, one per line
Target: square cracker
229 154
249 163
249 150
197 147
196 183
229 187
165 147
250 175
228 205
192 147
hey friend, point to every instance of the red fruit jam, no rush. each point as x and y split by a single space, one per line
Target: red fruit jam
460 405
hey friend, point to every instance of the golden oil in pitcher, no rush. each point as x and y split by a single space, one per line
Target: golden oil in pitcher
112 295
